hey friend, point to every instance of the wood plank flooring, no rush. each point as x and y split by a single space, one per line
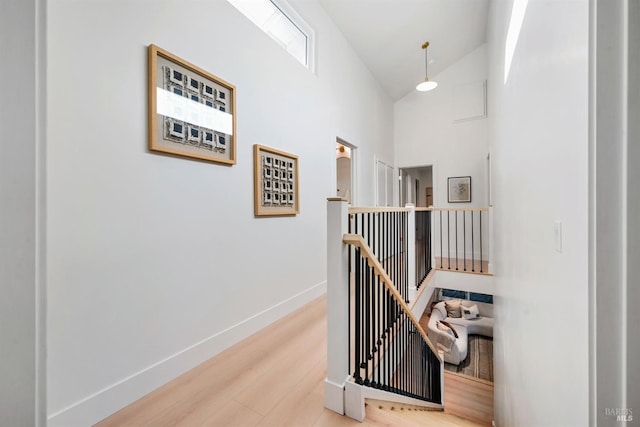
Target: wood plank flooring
273 378
468 397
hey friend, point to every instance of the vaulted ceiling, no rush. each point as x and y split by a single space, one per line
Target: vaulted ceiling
388 35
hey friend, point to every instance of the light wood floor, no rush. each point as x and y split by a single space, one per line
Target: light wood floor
273 378
467 397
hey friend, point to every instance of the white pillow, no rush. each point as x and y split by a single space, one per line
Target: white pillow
440 307
445 340
470 312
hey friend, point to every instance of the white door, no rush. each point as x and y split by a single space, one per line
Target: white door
385 180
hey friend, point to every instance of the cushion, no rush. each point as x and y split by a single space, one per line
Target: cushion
440 308
448 325
446 339
453 308
470 312
444 328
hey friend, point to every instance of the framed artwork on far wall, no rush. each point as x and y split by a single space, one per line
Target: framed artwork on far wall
276 186
192 113
459 189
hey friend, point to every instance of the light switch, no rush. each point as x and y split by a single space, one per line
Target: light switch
557 228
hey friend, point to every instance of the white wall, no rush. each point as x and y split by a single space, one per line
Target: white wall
22 374
157 263
633 233
425 132
539 152
615 239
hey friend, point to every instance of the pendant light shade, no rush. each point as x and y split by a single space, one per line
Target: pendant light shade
427 84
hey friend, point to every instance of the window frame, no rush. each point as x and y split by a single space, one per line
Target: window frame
288 11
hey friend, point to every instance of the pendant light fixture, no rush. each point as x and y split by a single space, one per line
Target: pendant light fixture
426 84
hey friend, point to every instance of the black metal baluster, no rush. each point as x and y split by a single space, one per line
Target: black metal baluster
449 239
387 241
429 248
417 249
441 252
405 371
379 239
372 333
369 233
405 256
405 358
419 278
367 320
357 331
464 232
394 222
386 337
473 260
395 250
456 236
349 258
481 261
363 283
378 329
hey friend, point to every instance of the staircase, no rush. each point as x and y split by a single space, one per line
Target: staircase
380 362
393 414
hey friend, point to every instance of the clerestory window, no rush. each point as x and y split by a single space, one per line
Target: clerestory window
283 24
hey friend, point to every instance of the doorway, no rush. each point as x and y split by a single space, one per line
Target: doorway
345 170
416 186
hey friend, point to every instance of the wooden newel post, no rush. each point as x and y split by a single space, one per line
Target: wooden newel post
411 251
337 305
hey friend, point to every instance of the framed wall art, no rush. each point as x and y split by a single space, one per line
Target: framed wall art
459 189
192 113
276 186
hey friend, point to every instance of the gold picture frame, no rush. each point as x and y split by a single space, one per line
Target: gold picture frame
276 184
192 113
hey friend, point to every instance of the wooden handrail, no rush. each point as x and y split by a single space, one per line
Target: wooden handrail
460 209
372 260
370 209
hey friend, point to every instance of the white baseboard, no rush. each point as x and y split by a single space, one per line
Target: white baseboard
103 403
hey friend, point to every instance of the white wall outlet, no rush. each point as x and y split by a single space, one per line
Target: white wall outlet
557 229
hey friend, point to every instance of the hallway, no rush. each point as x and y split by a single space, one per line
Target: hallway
273 378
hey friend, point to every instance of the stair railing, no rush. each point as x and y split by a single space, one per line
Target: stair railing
374 342
423 244
386 231
460 239
390 351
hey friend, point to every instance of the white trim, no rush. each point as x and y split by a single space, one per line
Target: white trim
41 214
478 283
109 400
356 394
334 396
625 202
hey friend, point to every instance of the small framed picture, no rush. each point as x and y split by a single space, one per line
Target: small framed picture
187 107
274 193
459 189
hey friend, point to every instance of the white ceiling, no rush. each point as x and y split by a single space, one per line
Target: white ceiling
388 35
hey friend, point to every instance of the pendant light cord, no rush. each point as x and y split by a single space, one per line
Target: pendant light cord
425 45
